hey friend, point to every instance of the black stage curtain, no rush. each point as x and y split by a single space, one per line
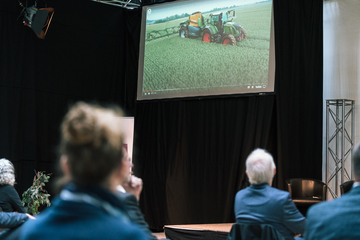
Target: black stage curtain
190 153
83 57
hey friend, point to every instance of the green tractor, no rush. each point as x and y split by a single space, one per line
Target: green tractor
218 28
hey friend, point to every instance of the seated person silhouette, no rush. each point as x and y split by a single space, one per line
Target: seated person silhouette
262 204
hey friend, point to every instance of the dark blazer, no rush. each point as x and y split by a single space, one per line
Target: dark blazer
82 218
10 200
335 219
11 220
135 214
263 204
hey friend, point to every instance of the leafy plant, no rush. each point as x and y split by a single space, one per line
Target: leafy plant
36 195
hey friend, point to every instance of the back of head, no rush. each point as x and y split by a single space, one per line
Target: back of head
92 140
356 162
7 172
260 167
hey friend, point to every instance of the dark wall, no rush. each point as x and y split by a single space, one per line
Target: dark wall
83 57
190 153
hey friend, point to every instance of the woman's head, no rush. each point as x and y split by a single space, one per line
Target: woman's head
91 142
7 172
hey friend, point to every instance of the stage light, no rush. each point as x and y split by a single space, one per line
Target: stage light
38 19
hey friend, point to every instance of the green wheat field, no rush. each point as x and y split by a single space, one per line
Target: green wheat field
174 63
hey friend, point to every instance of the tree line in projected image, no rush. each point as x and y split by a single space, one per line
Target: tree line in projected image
176 64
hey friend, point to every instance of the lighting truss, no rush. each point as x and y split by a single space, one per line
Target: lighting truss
125 4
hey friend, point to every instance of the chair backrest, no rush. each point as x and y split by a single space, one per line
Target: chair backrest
306 188
346 186
240 231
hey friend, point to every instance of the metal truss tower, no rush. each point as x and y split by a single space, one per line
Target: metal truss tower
340 119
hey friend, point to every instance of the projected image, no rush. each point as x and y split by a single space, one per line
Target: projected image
205 47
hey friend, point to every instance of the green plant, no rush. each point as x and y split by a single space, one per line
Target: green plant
36 195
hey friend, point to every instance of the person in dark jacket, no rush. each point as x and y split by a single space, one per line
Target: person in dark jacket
262 204
129 192
338 218
10 223
9 198
11 220
92 162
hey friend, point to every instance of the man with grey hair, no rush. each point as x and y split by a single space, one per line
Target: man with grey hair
339 218
262 204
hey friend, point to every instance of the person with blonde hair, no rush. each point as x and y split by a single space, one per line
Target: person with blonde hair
262 204
9 198
91 159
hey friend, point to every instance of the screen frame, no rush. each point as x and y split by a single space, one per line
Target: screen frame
269 90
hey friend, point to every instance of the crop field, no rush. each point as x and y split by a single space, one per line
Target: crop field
175 63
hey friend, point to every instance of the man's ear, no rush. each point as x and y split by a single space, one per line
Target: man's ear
64 164
247 174
274 171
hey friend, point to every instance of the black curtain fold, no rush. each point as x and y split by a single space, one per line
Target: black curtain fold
81 58
200 147
190 153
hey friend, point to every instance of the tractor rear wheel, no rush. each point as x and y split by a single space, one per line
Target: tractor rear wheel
228 39
184 32
207 37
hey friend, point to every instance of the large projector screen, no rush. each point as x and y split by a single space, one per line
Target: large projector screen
197 48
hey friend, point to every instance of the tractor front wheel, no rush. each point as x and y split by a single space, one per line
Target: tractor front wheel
207 36
228 39
184 32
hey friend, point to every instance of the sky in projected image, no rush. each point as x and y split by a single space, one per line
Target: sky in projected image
166 10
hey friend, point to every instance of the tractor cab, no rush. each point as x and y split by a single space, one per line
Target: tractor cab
222 17
216 19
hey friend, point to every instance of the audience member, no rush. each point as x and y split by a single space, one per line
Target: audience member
129 192
262 204
339 218
11 220
10 223
92 161
9 198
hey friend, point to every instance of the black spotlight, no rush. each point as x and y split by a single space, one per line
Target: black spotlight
38 19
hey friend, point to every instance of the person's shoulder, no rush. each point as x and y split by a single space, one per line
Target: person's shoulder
242 191
126 195
279 193
5 187
326 207
128 198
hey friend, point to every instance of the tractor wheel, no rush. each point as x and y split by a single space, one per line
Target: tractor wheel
243 34
228 39
207 37
184 32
